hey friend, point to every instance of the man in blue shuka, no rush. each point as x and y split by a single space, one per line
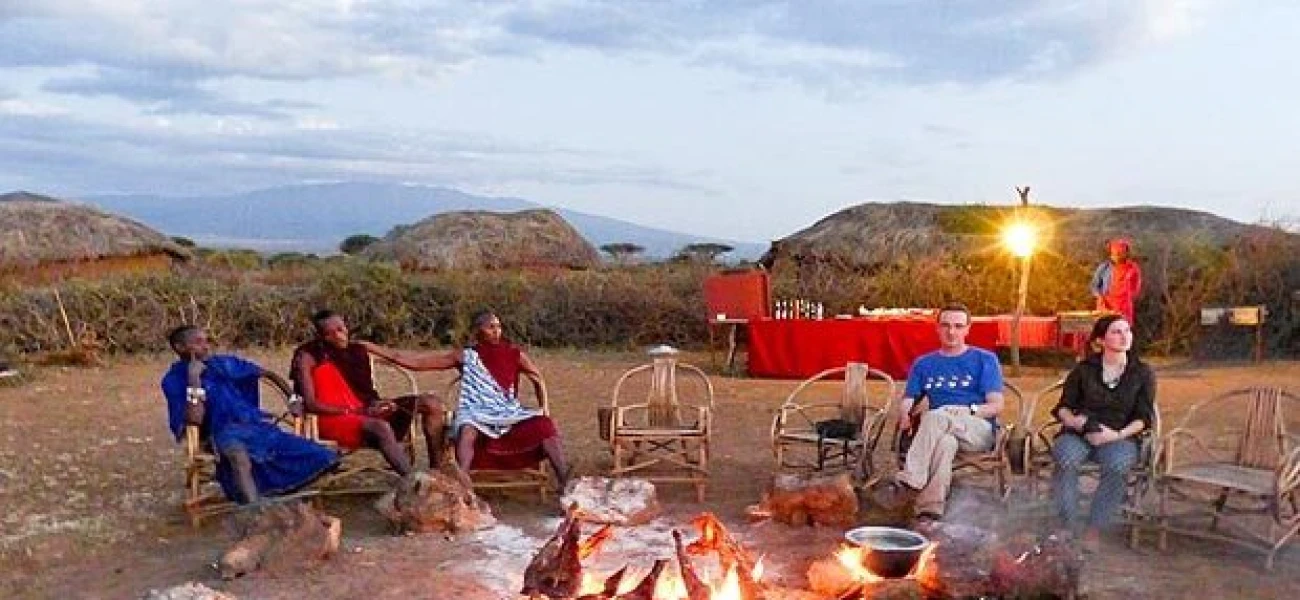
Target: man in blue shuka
219 393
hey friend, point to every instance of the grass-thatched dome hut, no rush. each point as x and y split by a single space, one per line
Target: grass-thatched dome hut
472 240
878 234
44 238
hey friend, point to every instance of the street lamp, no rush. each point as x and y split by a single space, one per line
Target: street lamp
1020 238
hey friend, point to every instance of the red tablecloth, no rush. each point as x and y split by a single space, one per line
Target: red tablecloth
797 348
1035 332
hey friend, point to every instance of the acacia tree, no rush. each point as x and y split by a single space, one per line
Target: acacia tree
356 243
702 252
622 253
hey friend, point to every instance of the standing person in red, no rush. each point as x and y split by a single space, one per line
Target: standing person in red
332 373
1117 282
493 430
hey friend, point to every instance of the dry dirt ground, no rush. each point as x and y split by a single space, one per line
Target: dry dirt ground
90 486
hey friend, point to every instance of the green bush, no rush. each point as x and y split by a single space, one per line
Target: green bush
627 307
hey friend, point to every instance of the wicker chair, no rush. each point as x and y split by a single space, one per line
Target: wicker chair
670 429
203 497
1039 463
539 476
364 470
796 443
997 461
1233 455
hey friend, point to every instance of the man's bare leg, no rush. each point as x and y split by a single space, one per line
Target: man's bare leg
465 447
555 454
432 421
242 466
380 433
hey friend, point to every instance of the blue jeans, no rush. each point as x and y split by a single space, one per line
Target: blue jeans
1071 451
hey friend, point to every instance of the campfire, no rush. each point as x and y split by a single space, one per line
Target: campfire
949 561
556 571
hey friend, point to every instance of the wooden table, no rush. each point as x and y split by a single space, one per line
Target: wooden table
732 325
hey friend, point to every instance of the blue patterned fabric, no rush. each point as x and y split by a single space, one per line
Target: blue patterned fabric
233 418
483 404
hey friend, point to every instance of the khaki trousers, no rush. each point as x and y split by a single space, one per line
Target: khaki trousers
929 461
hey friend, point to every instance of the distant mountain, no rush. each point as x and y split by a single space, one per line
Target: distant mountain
315 218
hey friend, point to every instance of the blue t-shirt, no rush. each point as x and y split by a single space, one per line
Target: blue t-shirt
960 380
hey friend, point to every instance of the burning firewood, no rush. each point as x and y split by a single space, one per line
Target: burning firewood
556 571
646 589
595 541
610 590
715 538
695 588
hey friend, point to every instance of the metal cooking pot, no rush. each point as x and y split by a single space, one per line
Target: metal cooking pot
890 552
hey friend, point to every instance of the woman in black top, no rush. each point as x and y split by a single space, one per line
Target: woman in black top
1107 400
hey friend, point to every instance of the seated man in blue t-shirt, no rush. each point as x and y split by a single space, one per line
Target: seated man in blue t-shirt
963 386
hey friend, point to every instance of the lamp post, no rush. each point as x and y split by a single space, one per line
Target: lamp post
1020 238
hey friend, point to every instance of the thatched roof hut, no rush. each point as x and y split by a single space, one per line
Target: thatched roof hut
43 234
875 234
472 240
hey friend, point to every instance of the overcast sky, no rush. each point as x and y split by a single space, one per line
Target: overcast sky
740 119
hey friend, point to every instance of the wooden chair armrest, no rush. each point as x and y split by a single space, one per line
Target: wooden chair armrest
809 412
411 382
1288 473
193 445
703 377
1168 444
704 419
311 426
621 411
618 385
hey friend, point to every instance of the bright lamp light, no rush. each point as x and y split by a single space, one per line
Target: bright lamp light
1020 238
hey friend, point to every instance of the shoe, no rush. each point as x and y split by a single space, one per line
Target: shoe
1091 541
895 496
6 370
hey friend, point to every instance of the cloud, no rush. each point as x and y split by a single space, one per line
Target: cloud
238 154
834 42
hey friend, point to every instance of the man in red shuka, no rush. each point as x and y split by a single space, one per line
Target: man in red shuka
332 373
1117 281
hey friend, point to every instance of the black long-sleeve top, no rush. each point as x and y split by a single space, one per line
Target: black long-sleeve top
1132 399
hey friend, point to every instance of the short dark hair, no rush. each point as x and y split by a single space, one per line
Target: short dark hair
481 318
178 336
953 307
319 317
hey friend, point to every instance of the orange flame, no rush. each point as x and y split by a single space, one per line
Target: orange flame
923 562
671 586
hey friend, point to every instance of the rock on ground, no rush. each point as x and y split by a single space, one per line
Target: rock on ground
187 591
282 538
434 503
623 501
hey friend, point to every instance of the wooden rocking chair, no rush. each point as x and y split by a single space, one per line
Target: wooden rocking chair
1233 456
203 497
364 470
669 429
795 426
538 476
